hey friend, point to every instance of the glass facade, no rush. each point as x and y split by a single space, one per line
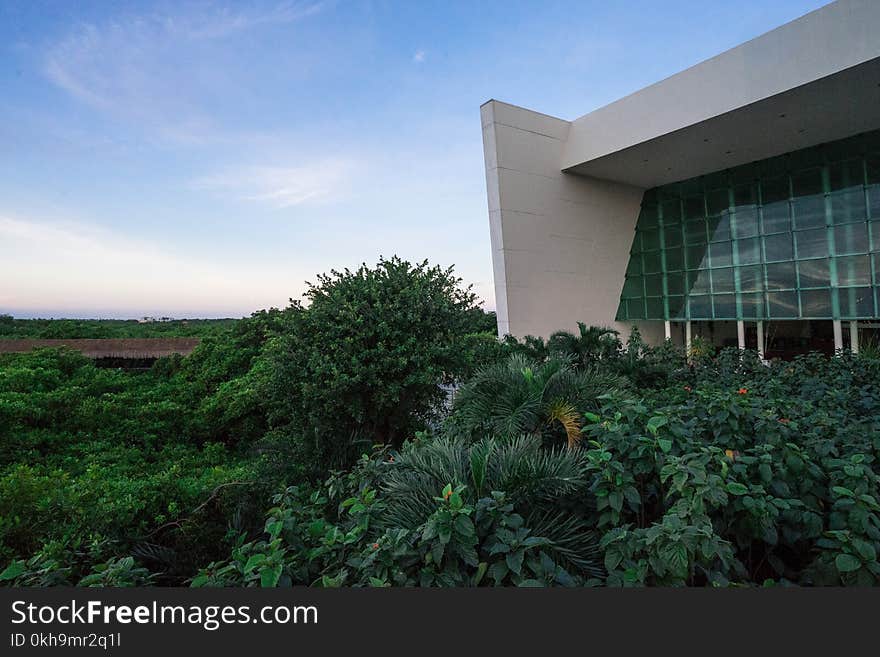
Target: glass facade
792 237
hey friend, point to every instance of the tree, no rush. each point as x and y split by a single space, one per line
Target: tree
364 360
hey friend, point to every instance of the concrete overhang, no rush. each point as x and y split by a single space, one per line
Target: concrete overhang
813 80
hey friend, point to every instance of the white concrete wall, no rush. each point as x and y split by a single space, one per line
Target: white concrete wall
560 242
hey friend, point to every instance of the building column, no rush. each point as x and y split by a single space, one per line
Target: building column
741 334
854 337
687 339
667 329
838 335
761 340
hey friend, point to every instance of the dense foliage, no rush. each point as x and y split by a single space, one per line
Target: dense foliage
11 327
399 443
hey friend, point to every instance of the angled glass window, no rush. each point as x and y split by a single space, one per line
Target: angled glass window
795 236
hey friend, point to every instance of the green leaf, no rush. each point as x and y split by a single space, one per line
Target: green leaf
845 492
481 571
199 581
463 525
253 562
615 500
514 561
736 489
656 422
847 563
865 549
498 571
13 570
269 576
665 445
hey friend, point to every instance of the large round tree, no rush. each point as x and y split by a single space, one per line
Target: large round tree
364 359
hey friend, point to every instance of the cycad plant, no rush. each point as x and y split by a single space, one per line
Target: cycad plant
591 343
520 396
548 488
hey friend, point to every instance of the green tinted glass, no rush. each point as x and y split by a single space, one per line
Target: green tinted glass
795 236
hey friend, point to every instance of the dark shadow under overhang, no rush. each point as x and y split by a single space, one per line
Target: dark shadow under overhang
833 107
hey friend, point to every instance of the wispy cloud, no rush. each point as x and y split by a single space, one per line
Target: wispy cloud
161 71
68 267
419 56
281 187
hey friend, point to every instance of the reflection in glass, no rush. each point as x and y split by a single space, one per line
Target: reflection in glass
721 254
816 303
812 243
856 302
808 212
814 273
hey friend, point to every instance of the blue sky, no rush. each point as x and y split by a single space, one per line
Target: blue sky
200 159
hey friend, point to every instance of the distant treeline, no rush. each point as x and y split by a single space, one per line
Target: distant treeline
110 328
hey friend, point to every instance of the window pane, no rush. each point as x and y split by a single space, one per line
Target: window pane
751 279
634 268
655 308
674 259
719 228
746 221
874 201
694 207
635 308
696 257
781 276
782 304
648 216
808 211
848 206
778 247
851 238
654 285
873 162
700 306
749 251
843 175
650 240
632 287
812 243
695 232
775 218
720 255
752 306
816 303
856 302
698 282
717 201
722 280
675 283
854 270
671 211
774 190
814 273
725 306
651 262
672 236
677 308
807 182
745 195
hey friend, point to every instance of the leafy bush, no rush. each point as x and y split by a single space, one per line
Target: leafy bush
364 362
499 519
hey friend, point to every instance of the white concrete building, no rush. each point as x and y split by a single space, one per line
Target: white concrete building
663 209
